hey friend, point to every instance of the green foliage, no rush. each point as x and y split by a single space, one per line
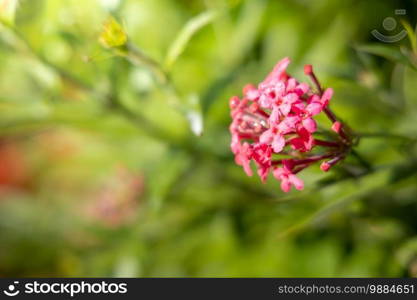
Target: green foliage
183 38
114 142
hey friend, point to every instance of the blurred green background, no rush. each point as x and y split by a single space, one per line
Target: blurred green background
102 173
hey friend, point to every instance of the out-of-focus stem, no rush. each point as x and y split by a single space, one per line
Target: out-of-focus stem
361 160
137 57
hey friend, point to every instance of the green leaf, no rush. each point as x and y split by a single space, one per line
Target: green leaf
388 52
407 252
411 34
185 35
345 196
403 171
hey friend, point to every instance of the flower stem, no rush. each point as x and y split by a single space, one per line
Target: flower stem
325 143
329 113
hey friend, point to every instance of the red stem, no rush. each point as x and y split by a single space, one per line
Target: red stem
263 113
329 113
312 159
325 143
307 160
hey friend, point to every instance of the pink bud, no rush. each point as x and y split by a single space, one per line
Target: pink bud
336 126
251 92
308 69
325 166
247 88
234 102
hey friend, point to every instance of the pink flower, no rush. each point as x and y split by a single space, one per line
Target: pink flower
262 157
309 124
327 95
304 142
243 157
287 178
275 117
278 73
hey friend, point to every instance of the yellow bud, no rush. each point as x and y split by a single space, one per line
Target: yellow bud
113 34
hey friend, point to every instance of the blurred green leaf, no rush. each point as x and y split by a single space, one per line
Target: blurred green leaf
184 36
388 52
407 252
411 35
404 171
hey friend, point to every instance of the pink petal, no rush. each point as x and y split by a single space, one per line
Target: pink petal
252 95
285 185
290 98
291 84
288 124
264 101
248 88
287 165
313 98
278 143
310 125
242 160
235 144
285 108
314 108
262 154
307 138
297 144
278 173
327 95
309 144
298 107
278 70
297 182
302 89
275 116
246 168
266 137
263 173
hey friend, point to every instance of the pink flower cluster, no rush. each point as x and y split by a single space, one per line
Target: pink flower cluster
277 115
